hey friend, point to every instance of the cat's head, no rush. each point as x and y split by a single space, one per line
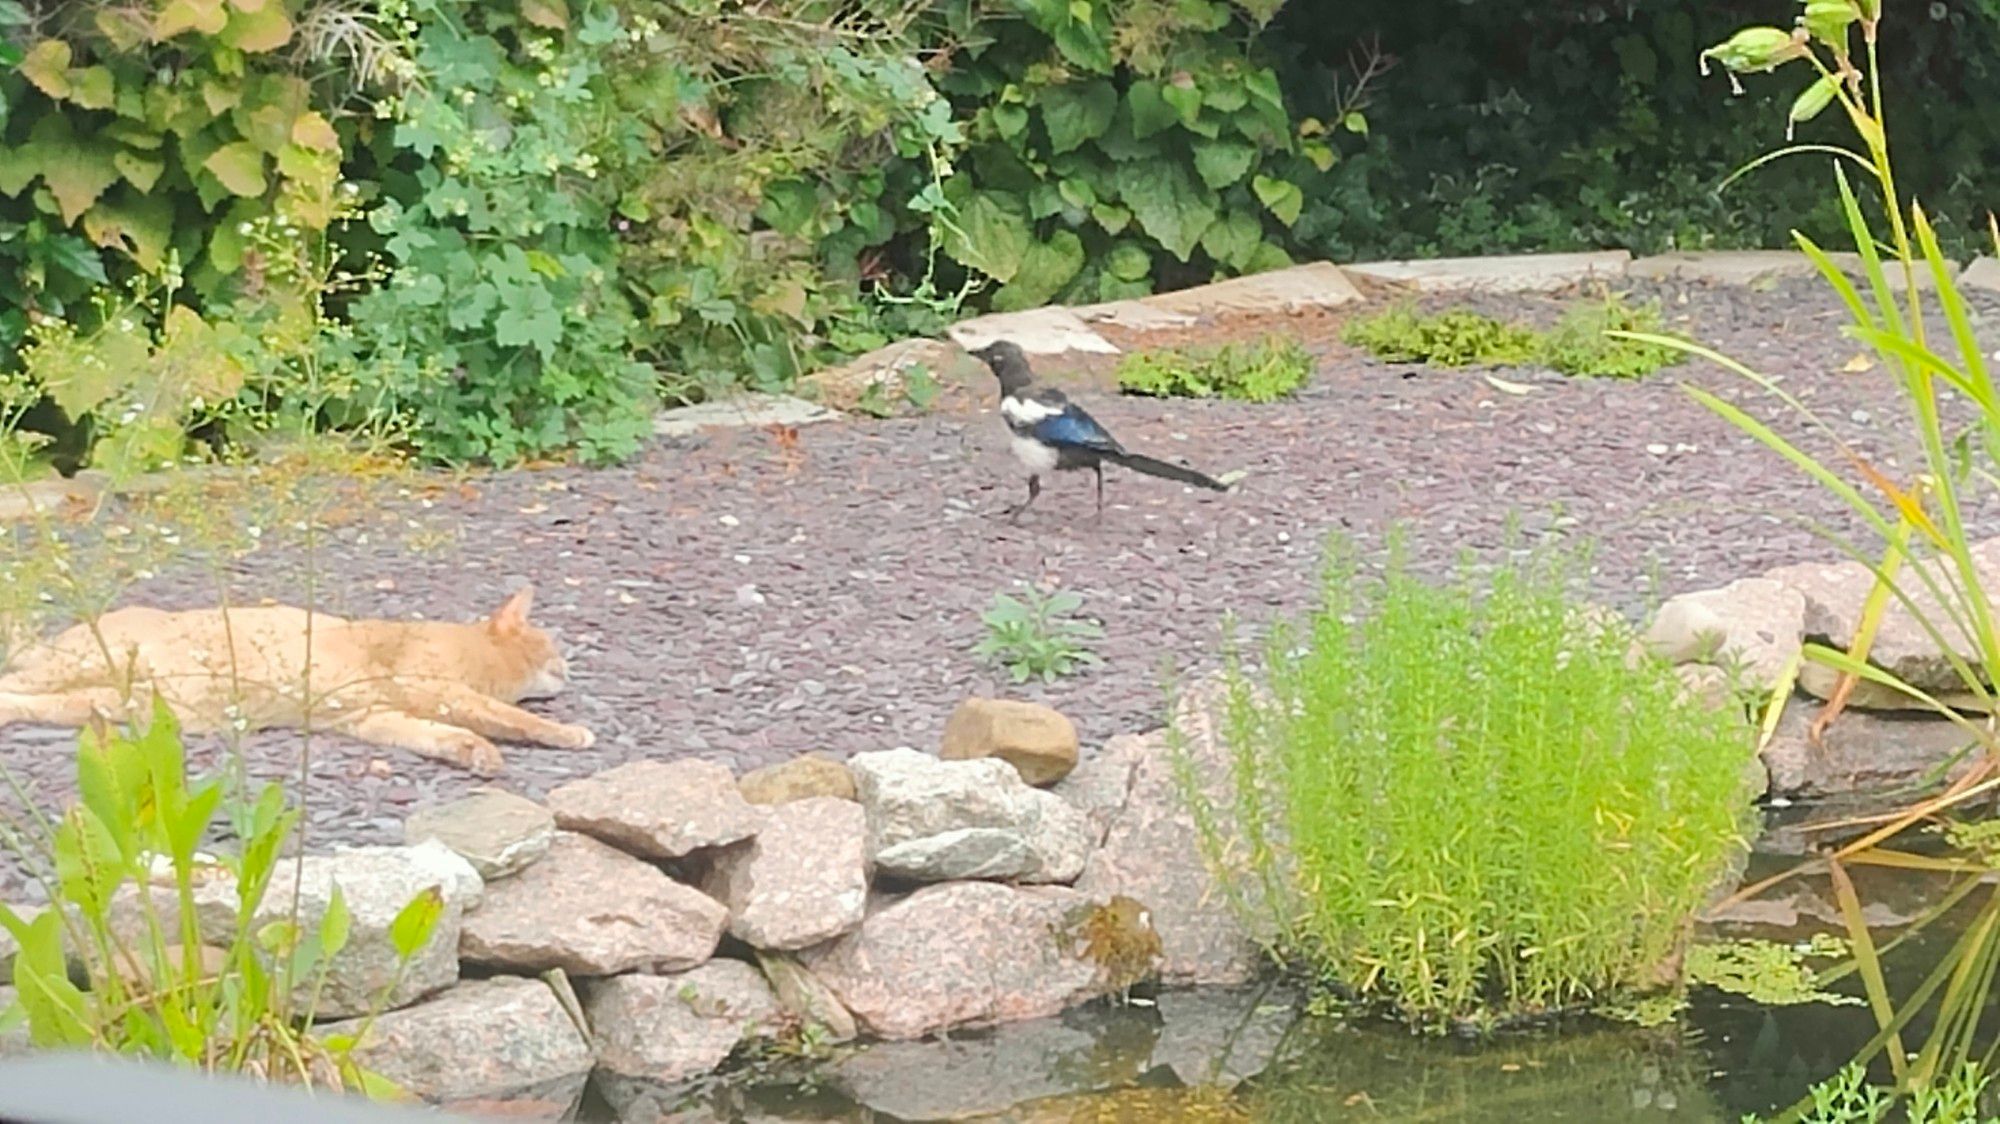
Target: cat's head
534 665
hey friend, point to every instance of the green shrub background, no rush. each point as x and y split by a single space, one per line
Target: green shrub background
545 217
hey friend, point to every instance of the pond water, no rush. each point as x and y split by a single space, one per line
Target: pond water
1251 1055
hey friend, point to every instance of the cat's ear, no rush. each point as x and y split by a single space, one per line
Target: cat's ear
513 616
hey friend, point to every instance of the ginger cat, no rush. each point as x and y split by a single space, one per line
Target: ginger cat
437 688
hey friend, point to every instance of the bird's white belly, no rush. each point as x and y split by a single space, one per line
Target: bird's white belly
1037 456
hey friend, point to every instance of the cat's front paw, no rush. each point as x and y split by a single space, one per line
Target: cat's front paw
574 737
477 754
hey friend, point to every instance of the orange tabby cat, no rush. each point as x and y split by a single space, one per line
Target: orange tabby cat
440 689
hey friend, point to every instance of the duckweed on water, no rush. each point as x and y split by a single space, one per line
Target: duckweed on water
1767 972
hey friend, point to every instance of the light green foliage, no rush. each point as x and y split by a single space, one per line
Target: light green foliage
1462 800
1767 972
1264 370
1456 338
251 1006
1577 345
1037 635
501 323
1848 1098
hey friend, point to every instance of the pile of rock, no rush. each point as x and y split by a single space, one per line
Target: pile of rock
644 923
1754 630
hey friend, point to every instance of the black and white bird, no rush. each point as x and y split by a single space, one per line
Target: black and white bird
1053 434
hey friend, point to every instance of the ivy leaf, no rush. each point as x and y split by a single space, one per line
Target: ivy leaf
1129 261
77 169
1281 197
1045 269
1074 114
1009 120
177 16
991 234
1232 239
47 66
551 14
1150 112
265 29
1112 217
1167 202
1222 163
140 169
239 167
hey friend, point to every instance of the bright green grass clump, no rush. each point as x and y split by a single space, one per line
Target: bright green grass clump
1477 807
1262 370
1577 345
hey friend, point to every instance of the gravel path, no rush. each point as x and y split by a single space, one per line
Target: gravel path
727 598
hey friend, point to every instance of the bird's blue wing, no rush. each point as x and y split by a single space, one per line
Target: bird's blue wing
1074 429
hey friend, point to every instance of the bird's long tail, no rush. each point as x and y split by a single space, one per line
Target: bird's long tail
1166 471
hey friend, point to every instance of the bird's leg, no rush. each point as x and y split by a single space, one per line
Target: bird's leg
1034 489
1098 467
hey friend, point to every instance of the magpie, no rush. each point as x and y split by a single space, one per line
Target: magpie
1052 434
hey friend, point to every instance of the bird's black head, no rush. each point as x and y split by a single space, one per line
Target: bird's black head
1008 362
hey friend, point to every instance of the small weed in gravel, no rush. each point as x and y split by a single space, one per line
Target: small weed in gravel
1577 345
1037 635
1262 370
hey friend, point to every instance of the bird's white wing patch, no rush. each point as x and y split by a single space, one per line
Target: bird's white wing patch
1027 411
1037 456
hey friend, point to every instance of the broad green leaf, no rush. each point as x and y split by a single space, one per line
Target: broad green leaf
1225 97
140 225
1281 197
1222 163
239 167
76 169
1076 113
1112 217
1045 269
1129 261
75 256
1319 152
267 126
1168 204
1078 193
989 235
1355 123
46 66
1267 256
1185 100
1232 239
177 16
1009 120
92 87
266 29
310 130
552 14
140 169
414 925
789 205
1150 112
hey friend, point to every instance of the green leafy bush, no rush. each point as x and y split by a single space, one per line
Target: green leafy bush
124 863
1577 345
1037 635
1261 371
1478 801
1119 146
